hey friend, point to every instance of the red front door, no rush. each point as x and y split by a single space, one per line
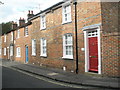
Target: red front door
93 54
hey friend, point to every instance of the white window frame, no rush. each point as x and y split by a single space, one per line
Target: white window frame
5 51
11 50
43 47
11 36
18 33
42 22
0 51
18 52
0 40
33 47
68 13
26 31
4 38
67 45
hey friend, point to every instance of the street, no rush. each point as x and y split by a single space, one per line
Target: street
15 79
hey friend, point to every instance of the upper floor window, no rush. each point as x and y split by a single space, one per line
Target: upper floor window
4 51
43 22
26 31
18 52
68 46
4 38
66 13
18 33
33 47
11 36
43 47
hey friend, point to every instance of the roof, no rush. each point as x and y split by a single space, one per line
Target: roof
26 24
55 6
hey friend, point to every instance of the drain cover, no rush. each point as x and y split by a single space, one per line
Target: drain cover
51 74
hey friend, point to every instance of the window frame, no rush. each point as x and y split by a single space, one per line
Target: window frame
33 47
18 52
11 36
26 33
42 20
69 15
5 51
5 37
0 50
67 45
11 50
18 33
43 47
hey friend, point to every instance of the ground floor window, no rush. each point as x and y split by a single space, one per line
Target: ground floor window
43 47
18 52
33 47
68 46
11 50
4 51
0 51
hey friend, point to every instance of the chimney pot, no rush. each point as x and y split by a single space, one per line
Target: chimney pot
31 12
14 25
21 21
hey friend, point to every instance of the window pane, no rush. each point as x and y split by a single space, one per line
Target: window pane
66 52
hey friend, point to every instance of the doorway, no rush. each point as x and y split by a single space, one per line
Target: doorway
92 49
26 54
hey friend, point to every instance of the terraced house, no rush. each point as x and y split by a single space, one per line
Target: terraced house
76 36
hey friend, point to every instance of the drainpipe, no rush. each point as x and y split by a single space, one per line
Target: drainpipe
76 45
13 45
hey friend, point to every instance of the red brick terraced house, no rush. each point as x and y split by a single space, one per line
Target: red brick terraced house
81 37
22 41
16 43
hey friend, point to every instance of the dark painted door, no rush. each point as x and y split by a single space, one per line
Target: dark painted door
93 53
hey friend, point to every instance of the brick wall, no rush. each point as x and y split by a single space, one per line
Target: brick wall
110 42
89 13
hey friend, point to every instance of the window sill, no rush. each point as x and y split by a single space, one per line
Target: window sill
17 38
43 55
34 55
66 57
26 36
42 28
18 56
66 22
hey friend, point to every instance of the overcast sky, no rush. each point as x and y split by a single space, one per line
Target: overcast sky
12 10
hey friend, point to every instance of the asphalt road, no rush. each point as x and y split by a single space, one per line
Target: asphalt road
14 79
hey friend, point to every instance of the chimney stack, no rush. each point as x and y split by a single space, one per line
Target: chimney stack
14 25
21 21
30 14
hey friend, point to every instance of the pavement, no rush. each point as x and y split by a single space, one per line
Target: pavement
65 76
